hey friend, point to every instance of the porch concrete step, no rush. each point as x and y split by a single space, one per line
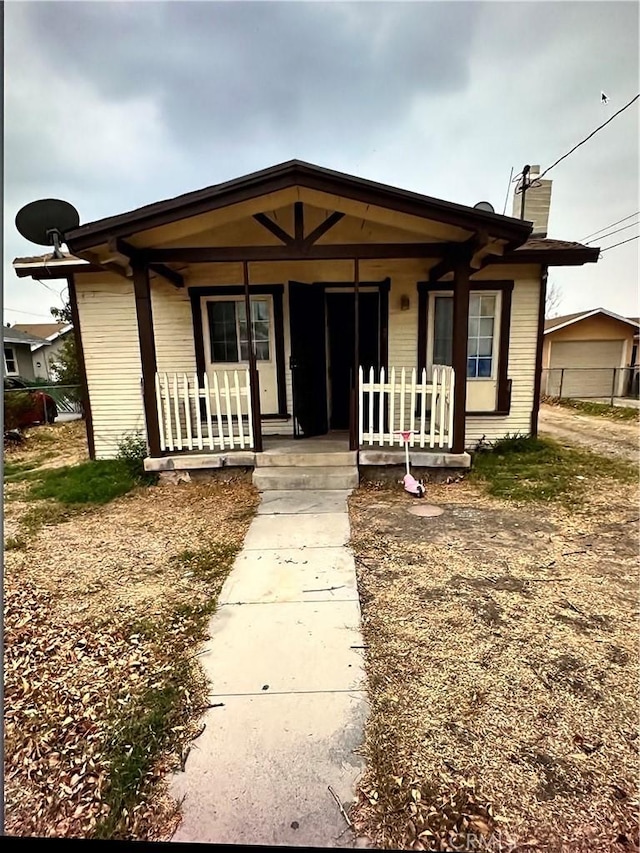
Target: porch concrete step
333 459
312 477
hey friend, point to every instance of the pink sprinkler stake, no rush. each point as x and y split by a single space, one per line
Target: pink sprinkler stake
411 485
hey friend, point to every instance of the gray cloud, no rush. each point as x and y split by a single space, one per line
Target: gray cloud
114 105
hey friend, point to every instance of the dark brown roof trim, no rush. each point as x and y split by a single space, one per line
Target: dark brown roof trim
282 176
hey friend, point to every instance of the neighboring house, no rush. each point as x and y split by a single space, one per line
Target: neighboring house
455 293
587 354
17 352
45 355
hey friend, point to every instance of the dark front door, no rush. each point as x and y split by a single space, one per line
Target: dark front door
340 321
308 359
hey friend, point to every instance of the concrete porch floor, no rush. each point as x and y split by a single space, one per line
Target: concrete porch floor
334 446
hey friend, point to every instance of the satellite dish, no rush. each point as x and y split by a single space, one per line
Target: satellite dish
46 221
484 205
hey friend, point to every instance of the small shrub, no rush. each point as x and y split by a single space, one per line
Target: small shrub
132 451
16 405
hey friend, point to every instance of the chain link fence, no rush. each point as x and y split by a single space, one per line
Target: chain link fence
590 383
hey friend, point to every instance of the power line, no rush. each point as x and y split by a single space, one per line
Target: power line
593 133
621 243
624 219
20 311
611 233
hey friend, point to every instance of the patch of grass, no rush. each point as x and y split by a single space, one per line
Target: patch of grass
211 561
16 471
588 407
88 483
45 513
139 734
15 543
523 468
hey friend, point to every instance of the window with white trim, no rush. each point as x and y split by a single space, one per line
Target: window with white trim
481 339
482 312
10 361
228 330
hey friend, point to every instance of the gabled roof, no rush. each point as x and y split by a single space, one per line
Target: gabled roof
11 335
49 331
555 323
289 174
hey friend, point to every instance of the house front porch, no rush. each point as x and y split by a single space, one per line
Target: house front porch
208 425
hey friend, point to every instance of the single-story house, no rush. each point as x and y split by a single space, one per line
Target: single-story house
374 310
588 354
46 354
17 351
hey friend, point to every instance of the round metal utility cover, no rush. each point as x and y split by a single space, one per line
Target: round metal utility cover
425 510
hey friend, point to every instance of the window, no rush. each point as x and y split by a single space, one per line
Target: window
443 330
228 330
482 309
10 361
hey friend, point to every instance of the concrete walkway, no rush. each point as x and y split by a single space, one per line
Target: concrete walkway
287 681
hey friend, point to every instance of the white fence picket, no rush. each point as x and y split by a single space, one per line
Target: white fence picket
167 409
426 406
187 411
423 406
160 412
176 411
218 401
360 405
196 404
381 408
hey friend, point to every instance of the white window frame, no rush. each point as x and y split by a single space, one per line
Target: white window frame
266 298
14 358
495 352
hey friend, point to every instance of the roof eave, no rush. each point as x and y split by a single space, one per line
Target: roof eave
553 257
284 176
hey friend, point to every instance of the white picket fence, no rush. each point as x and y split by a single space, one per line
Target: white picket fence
215 415
403 401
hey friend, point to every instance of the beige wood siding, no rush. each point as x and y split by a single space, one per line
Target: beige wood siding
106 307
522 356
173 328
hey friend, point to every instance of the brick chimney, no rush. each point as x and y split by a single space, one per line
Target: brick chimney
537 203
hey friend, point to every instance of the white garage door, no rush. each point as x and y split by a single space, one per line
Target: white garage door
588 367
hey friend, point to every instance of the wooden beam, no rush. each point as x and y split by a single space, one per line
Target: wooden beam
254 379
365 251
460 253
77 333
325 226
126 250
273 227
298 221
542 298
167 273
142 292
354 438
460 347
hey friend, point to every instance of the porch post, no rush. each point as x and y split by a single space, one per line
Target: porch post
353 408
254 386
142 292
460 346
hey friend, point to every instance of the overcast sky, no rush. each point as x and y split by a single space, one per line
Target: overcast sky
111 105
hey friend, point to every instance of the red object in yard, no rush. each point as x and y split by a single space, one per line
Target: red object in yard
43 408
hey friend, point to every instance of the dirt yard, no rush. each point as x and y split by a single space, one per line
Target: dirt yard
102 608
602 435
501 651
